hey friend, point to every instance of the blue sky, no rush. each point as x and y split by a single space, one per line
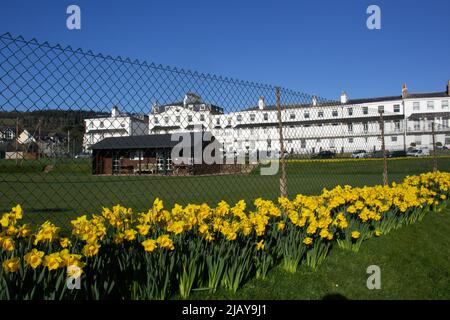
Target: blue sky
317 47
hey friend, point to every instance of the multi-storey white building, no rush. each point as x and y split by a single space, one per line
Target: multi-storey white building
340 126
117 125
344 126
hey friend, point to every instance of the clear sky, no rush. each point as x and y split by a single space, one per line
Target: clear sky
317 47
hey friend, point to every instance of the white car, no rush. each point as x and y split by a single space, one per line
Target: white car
418 153
360 154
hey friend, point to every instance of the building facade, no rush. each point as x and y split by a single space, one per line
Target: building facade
308 127
343 126
117 125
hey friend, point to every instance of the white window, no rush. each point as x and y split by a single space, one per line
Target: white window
350 140
202 117
365 127
350 111
303 143
396 108
416 105
393 138
292 116
266 116
365 110
189 118
418 140
137 155
350 127
397 125
166 119
102 124
156 120
239 118
334 113
252 117
380 108
178 119
430 105
320 114
416 125
444 104
202 107
218 121
306 114
447 139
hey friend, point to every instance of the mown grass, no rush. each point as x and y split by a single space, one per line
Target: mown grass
70 189
414 263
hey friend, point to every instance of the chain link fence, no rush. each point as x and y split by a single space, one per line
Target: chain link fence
81 130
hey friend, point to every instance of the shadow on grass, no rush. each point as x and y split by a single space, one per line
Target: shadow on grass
334 296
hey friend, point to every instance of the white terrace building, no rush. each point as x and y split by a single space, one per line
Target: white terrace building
345 126
117 125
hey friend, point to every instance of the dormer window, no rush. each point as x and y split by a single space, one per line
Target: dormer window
202 107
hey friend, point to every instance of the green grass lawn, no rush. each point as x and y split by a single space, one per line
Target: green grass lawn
414 263
70 189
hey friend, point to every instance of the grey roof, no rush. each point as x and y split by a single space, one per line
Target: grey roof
427 95
353 101
152 141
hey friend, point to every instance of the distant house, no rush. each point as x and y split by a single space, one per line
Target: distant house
7 134
117 125
52 144
25 137
148 154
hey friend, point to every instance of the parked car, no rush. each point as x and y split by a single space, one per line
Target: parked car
379 154
324 155
82 156
418 153
397 154
360 154
277 154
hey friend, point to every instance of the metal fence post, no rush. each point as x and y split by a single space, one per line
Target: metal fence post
383 148
283 182
433 134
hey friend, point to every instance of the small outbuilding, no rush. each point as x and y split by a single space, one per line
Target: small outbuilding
152 155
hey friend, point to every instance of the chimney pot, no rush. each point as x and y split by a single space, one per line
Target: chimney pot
261 103
404 91
344 97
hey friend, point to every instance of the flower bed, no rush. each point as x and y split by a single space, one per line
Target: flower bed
153 255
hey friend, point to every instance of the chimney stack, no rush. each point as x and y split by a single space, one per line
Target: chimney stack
344 97
314 100
261 103
448 87
115 112
404 91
